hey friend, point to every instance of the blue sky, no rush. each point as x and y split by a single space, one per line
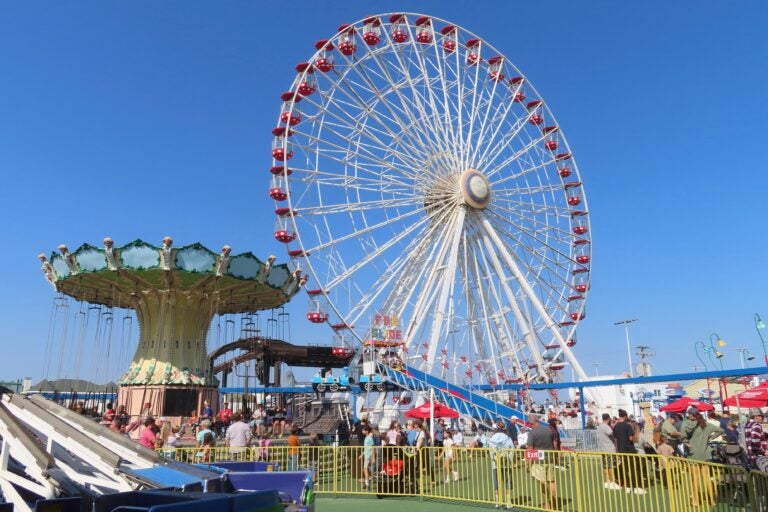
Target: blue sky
146 119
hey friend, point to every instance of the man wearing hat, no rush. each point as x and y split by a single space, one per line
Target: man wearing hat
500 445
754 435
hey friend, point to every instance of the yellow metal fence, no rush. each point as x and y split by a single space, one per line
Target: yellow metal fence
517 479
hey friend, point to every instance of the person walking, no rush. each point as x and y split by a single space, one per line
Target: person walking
540 438
448 455
606 445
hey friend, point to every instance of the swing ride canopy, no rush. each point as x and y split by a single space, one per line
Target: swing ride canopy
114 277
175 293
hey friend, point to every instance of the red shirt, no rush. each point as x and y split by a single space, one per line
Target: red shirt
225 415
147 438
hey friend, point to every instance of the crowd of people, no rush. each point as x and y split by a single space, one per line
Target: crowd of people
691 435
620 438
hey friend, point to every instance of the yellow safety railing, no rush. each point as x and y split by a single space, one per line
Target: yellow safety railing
519 479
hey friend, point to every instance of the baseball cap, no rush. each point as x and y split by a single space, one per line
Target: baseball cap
755 411
691 410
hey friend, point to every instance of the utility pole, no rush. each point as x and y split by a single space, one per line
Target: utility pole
645 352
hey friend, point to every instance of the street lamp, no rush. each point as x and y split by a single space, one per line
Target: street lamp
626 323
760 325
706 350
715 339
742 357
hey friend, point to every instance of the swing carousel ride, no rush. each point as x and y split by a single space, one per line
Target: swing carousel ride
418 175
175 294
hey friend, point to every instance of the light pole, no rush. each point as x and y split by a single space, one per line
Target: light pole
626 323
742 351
706 350
698 356
759 326
715 339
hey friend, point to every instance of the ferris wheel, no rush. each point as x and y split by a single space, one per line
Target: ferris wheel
419 178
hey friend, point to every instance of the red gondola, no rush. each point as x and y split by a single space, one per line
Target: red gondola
324 58
424 32
372 31
346 41
449 38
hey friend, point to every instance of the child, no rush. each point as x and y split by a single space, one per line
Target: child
448 444
293 449
665 452
264 443
209 443
367 454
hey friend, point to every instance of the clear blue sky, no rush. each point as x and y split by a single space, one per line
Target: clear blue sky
145 119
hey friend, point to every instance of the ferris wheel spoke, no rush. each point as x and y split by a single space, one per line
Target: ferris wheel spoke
328 209
473 110
418 256
530 146
439 319
335 151
526 330
411 108
405 271
434 273
510 201
538 266
481 141
368 229
524 172
455 85
487 296
449 105
541 223
547 320
361 263
404 61
415 147
431 68
371 181
499 145
478 320
490 143
545 263
370 81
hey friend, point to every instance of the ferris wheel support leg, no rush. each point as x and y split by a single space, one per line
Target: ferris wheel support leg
493 249
551 324
447 285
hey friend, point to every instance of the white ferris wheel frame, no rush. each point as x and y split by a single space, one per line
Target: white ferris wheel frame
460 248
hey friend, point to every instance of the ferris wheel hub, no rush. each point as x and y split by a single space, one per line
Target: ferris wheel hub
475 189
